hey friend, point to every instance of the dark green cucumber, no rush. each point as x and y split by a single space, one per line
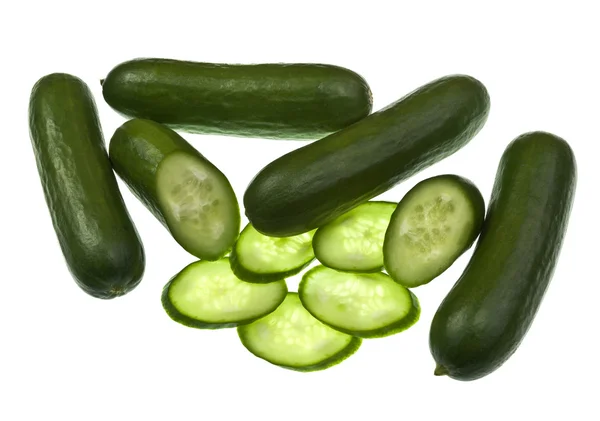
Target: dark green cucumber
488 312
433 225
186 192
313 185
303 101
99 241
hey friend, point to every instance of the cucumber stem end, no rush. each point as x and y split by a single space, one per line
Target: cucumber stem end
440 370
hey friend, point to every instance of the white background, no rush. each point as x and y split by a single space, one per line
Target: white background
67 356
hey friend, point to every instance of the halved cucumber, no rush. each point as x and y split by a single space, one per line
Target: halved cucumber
292 338
182 188
367 305
354 241
433 225
207 295
260 258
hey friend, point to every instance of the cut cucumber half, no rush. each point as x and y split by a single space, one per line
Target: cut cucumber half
197 204
367 305
354 241
260 258
207 295
187 193
433 225
290 337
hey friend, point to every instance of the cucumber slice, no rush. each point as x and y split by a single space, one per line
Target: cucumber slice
207 295
260 258
354 241
433 225
197 204
292 338
367 305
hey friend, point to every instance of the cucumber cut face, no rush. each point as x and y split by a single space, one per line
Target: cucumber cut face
433 225
199 206
292 338
367 305
207 295
260 258
354 241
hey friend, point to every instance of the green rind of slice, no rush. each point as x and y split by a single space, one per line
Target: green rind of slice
365 305
261 259
291 338
207 295
353 242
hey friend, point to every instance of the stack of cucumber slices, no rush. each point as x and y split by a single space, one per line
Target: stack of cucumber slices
313 212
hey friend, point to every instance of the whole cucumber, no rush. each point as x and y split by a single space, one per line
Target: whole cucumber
313 185
98 239
488 312
294 101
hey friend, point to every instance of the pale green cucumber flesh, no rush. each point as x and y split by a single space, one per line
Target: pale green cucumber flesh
428 232
354 241
207 294
260 258
362 304
292 338
199 206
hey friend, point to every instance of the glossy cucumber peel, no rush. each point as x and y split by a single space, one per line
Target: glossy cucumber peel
208 295
290 337
434 224
185 191
313 185
366 305
354 241
259 258
486 315
294 101
98 239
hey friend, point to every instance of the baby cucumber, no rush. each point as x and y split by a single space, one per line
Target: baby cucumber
367 305
290 337
354 241
259 258
97 237
488 312
433 225
313 185
186 192
295 101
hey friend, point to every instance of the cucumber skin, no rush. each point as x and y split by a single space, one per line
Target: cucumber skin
97 237
469 189
488 312
295 101
401 325
136 150
335 359
187 321
323 231
313 185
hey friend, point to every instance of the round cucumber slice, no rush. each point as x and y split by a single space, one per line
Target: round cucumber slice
198 204
354 241
207 295
367 305
260 258
433 225
290 337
